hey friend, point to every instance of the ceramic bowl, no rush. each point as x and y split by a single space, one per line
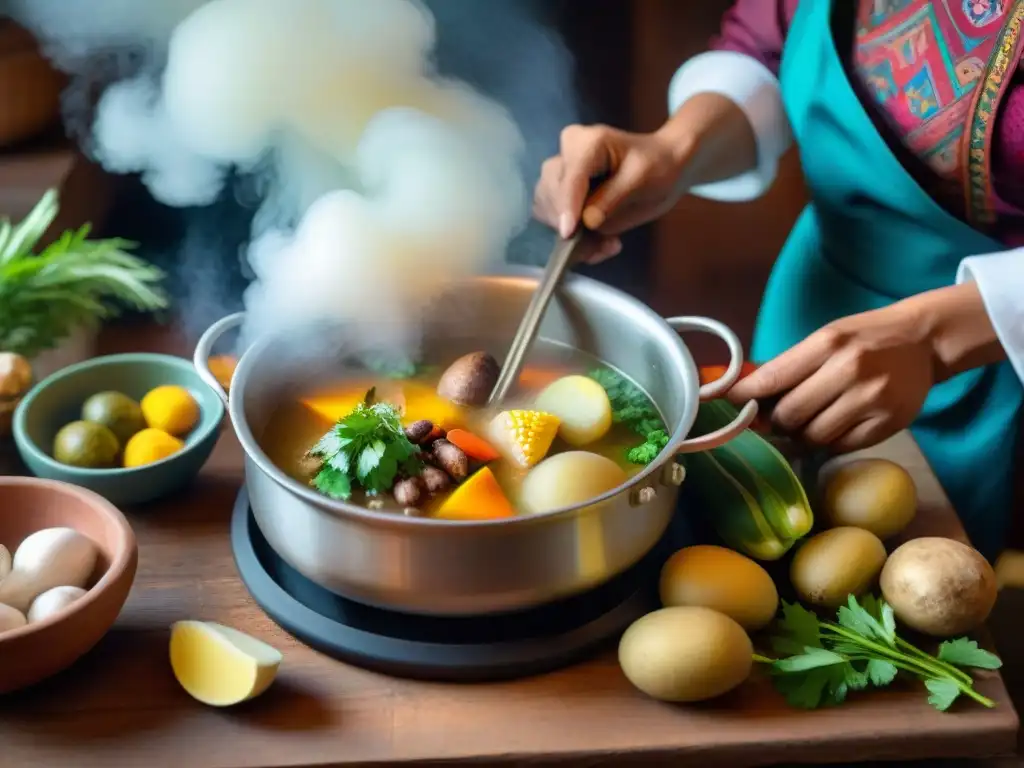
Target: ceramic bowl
34 652
58 399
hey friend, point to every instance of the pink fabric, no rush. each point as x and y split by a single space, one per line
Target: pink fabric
758 28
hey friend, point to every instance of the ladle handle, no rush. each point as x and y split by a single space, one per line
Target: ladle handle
205 345
557 264
718 387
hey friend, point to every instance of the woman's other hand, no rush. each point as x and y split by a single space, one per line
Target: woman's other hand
853 383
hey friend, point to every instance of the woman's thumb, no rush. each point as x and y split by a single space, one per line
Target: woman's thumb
611 194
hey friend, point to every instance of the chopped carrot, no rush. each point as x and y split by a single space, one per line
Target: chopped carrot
473 446
223 368
479 498
710 373
535 377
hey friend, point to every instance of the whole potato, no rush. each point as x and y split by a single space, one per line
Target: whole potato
939 586
873 494
723 580
685 654
569 478
835 564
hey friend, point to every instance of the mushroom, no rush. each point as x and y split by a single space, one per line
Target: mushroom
418 431
470 379
434 480
408 492
451 459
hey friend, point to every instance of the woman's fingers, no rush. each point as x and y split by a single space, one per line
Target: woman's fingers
602 250
544 208
607 197
850 409
585 154
787 370
867 433
807 400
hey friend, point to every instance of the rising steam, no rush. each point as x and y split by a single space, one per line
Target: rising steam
385 180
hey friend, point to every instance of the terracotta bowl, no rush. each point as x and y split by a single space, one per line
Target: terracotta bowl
33 653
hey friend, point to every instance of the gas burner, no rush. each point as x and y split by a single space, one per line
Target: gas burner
497 646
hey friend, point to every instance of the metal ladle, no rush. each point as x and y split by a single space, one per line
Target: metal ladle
560 260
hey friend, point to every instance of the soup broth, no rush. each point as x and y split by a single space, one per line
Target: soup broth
597 443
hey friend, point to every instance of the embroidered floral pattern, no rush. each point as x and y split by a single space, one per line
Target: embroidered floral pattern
923 62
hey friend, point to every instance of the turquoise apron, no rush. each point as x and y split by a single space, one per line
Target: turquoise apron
870 237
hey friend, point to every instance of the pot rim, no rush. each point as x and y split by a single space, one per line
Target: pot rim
683 360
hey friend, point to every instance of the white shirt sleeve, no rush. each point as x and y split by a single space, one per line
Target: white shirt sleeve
1000 280
755 90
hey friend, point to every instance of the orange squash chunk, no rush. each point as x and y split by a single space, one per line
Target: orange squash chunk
479 498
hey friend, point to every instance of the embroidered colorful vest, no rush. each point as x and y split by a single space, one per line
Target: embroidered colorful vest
939 70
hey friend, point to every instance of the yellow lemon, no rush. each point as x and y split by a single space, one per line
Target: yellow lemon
221 666
150 445
170 408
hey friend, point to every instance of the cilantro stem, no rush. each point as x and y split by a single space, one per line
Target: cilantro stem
952 671
759 659
923 664
914 661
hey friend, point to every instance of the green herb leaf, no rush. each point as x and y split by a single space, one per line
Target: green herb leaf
858 618
805 691
942 693
368 447
632 408
332 482
966 653
823 661
800 625
881 672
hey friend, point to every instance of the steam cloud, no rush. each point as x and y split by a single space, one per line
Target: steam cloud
382 180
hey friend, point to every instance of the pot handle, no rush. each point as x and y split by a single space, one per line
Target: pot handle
201 357
718 387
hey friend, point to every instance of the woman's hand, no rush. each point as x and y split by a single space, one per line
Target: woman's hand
853 383
643 172
708 138
864 378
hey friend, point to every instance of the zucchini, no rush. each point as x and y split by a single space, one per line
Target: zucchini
752 496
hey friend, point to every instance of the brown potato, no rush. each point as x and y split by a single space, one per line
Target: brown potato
939 586
722 580
835 564
873 494
470 379
685 654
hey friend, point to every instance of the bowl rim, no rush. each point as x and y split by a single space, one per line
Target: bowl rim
22 438
127 549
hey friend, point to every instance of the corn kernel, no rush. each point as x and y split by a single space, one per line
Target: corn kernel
524 437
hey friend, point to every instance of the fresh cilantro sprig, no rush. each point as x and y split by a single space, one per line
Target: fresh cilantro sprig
632 407
367 448
822 661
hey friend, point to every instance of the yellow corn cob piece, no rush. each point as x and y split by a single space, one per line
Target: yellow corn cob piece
524 437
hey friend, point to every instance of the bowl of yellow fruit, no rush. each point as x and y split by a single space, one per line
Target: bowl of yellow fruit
130 427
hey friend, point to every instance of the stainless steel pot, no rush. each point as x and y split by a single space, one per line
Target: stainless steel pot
439 567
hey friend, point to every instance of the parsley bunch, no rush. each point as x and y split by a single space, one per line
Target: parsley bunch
633 408
367 448
823 661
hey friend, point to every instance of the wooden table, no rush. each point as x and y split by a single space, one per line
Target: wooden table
120 706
